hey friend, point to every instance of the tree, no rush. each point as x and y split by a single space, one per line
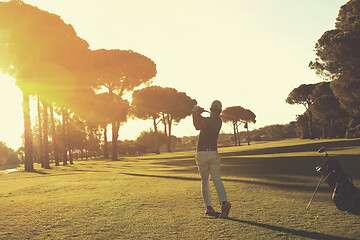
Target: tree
120 71
7 155
35 47
151 140
97 110
41 148
232 115
119 115
275 132
146 103
28 139
237 115
327 110
303 95
54 137
165 103
338 57
64 138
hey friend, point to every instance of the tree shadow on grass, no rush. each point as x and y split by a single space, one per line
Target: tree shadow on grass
37 172
323 188
162 176
302 166
270 166
300 233
92 171
309 147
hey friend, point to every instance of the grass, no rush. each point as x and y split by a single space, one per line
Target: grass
158 196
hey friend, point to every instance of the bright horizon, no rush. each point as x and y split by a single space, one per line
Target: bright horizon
247 53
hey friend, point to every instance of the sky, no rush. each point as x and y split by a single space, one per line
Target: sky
249 53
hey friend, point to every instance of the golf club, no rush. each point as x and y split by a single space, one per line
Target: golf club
318 169
314 192
220 115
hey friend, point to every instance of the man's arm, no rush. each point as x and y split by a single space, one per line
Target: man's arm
198 120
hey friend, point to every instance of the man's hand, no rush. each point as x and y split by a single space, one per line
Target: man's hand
198 120
197 109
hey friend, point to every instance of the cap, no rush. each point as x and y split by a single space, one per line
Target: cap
216 105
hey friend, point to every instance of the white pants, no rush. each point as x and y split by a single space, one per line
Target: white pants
208 162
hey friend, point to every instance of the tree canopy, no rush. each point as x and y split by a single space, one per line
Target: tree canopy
121 70
47 58
237 115
338 57
41 51
165 103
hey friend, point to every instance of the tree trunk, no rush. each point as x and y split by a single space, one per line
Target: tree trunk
29 165
155 124
235 133
64 144
169 121
323 127
165 130
310 125
157 145
54 137
41 148
71 156
115 135
46 134
106 152
238 134
69 146
247 133
331 128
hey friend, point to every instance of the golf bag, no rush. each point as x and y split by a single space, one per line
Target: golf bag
345 196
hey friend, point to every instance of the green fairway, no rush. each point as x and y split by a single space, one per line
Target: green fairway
158 196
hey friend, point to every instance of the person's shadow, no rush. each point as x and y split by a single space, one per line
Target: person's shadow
300 233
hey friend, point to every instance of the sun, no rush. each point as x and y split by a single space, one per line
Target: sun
11 120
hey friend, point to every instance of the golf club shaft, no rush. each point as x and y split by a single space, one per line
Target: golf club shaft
314 192
221 114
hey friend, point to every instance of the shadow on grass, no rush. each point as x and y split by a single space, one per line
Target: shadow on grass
84 170
300 233
161 176
265 167
38 172
309 147
296 166
323 188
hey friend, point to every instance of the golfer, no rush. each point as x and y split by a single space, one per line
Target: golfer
207 157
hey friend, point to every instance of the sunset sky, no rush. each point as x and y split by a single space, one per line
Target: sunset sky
251 53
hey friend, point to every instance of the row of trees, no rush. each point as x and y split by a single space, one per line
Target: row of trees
7 155
79 91
49 60
333 106
324 116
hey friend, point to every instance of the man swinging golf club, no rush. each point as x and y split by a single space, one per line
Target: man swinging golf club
207 157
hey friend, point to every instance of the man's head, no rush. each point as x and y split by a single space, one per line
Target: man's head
216 107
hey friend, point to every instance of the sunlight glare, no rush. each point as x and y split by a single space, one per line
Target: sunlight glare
11 121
